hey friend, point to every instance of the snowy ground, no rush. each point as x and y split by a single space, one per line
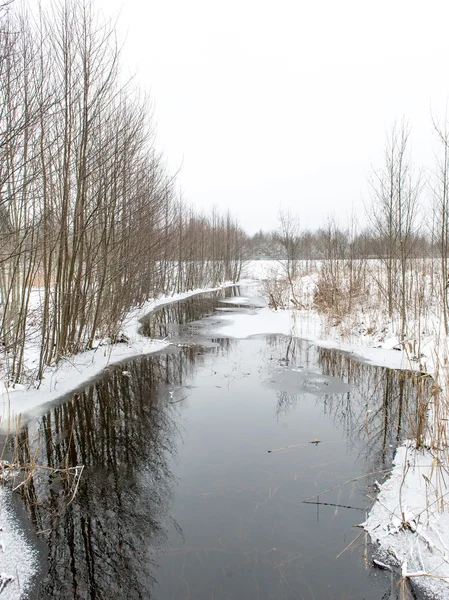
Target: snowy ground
411 538
17 560
408 524
308 325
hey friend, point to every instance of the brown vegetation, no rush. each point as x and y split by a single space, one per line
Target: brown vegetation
88 210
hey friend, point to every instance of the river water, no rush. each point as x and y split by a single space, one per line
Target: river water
188 489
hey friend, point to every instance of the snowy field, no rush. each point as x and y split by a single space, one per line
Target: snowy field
411 531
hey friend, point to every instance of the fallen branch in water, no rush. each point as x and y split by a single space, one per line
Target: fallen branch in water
337 505
316 442
180 400
76 481
12 470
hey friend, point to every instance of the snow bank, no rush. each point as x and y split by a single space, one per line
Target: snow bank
18 561
407 523
76 370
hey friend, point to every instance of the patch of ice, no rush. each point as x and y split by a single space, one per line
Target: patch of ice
308 325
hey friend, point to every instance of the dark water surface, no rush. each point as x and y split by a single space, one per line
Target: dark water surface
180 496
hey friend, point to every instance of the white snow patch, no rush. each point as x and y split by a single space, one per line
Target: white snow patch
308 325
407 523
18 561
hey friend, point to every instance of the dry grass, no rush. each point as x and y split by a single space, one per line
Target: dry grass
23 467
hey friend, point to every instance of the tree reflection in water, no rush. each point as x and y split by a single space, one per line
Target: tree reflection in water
167 320
378 412
121 429
382 411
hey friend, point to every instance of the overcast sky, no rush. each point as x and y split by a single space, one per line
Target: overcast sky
285 102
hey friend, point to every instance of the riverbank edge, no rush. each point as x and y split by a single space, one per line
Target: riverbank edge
76 370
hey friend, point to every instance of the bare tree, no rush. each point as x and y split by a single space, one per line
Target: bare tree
396 189
441 213
88 211
289 238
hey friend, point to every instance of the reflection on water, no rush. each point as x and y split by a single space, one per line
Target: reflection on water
180 498
388 409
170 320
376 412
121 429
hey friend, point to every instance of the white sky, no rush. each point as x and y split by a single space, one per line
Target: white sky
286 103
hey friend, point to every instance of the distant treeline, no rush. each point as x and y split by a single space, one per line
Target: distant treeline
339 242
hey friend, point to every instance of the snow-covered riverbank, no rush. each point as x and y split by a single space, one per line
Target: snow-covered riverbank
405 521
76 370
18 561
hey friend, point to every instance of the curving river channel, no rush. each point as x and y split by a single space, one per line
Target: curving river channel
188 489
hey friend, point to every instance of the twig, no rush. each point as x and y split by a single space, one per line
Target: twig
349 545
77 479
180 400
348 481
316 442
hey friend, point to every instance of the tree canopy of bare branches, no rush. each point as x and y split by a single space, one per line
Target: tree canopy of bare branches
88 212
